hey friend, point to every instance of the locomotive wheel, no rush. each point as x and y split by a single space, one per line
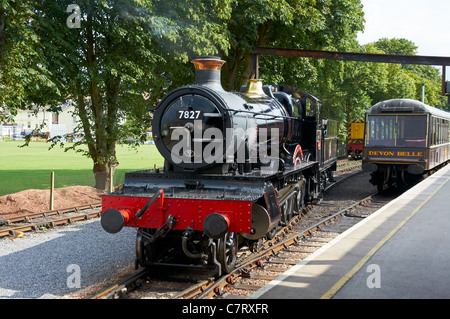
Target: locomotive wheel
146 252
288 209
227 252
140 251
300 197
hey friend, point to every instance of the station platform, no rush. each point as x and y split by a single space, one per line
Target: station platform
402 251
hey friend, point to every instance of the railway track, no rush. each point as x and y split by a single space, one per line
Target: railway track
290 247
14 226
308 232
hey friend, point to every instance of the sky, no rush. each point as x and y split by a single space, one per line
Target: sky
424 22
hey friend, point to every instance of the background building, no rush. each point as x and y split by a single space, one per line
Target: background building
40 120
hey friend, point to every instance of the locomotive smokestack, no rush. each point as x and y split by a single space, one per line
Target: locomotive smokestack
207 71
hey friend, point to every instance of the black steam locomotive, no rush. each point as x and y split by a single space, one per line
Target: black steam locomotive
237 165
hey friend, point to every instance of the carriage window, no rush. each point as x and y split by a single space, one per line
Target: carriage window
433 134
438 133
441 133
411 131
393 130
381 130
444 131
447 131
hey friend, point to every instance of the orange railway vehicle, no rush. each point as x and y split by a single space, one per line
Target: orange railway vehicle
355 138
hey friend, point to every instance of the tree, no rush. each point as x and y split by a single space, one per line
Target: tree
352 91
396 46
360 85
120 61
407 79
21 74
305 24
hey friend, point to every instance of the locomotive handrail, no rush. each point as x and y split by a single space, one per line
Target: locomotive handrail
259 113
150 201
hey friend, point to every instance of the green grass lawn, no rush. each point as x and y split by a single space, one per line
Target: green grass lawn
30 166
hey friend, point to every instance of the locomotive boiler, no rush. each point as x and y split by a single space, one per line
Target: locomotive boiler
237 166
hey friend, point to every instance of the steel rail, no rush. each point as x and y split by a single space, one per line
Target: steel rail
271 248
123 287
13 226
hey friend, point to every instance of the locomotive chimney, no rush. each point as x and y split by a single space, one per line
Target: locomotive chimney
207 71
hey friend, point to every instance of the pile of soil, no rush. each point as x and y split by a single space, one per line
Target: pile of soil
38 201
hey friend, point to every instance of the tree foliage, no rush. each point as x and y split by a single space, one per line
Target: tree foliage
118 63
303 24
348 89
23 78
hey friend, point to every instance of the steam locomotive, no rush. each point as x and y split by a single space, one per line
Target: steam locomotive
237 166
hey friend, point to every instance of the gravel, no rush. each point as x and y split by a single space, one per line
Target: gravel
63 261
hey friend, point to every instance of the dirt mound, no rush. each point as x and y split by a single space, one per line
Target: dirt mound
37 200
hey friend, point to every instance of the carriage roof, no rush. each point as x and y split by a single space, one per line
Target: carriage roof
406 106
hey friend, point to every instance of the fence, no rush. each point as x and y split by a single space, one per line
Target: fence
14 185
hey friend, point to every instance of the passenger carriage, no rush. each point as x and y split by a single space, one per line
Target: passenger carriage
403 140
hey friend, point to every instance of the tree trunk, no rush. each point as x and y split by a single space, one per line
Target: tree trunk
231 69
99 125
261 41
103 173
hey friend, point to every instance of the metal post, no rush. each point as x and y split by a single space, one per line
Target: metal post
423 92
255 66
443 80
52 188
111 180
